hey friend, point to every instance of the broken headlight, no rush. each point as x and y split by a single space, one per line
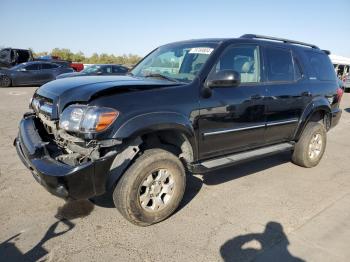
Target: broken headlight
87 119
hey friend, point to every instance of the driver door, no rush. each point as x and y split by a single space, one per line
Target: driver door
232 119
29 75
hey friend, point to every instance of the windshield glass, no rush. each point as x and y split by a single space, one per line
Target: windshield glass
91 69
181 62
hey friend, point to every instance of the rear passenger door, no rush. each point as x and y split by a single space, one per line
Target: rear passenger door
48 72
287 93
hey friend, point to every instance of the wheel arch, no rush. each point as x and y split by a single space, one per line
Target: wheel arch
172 128
316 111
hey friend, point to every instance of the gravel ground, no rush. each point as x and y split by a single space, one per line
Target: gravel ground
269 209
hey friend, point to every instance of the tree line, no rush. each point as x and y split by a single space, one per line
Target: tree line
67 54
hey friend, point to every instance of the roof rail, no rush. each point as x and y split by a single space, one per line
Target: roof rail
252 36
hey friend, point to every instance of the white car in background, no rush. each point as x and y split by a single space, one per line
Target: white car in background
347 83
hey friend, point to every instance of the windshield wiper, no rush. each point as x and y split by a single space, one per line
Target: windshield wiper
162 76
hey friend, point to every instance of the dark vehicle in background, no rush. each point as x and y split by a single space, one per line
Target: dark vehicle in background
102 69
31 73
11 56
193 106
55 59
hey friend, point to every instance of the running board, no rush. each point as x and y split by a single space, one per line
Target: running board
240 157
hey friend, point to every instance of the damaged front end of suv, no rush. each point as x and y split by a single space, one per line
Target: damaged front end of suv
71 155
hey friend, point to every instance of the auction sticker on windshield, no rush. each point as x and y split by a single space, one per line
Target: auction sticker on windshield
201 50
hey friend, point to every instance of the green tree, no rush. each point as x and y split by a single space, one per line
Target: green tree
95 58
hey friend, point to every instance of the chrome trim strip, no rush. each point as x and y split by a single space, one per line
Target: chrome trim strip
274 123
232 130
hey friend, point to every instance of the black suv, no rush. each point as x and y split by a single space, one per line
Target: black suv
10 57
188 106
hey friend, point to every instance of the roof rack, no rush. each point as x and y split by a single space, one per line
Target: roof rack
252 36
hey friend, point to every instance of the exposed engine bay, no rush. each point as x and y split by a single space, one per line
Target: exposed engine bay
69 149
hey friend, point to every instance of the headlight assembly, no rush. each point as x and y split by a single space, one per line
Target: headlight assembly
87 119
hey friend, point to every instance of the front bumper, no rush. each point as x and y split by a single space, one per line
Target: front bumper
65 181
335 114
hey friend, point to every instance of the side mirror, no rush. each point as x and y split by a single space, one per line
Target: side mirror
224 78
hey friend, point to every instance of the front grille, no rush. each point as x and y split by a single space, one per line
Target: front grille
42 105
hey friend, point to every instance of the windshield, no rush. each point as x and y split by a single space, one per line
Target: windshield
180 62
91 69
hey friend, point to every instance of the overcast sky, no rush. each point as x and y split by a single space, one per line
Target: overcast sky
137 27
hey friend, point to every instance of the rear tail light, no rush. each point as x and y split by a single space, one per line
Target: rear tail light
340 93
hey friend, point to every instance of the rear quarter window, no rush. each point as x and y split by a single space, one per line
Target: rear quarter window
321 66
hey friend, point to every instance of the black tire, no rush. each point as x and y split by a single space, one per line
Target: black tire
126 195
5 81
302 154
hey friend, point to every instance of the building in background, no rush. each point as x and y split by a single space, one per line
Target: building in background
341 65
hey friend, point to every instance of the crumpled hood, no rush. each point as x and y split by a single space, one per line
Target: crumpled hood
83 89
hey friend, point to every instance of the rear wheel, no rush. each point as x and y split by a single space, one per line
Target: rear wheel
5 81
309 149
151 189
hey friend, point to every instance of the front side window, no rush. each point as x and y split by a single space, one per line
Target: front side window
279 65
242 59
181 62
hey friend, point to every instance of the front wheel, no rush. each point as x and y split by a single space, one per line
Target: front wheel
152 188
309 149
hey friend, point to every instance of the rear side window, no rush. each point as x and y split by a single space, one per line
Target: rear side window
48 66
321 66
279 65
3 54
33 67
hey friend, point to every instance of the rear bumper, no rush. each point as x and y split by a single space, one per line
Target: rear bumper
65 181
336 114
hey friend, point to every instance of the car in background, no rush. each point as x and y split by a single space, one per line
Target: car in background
102 69
31 73
56 59
347 83
10 57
